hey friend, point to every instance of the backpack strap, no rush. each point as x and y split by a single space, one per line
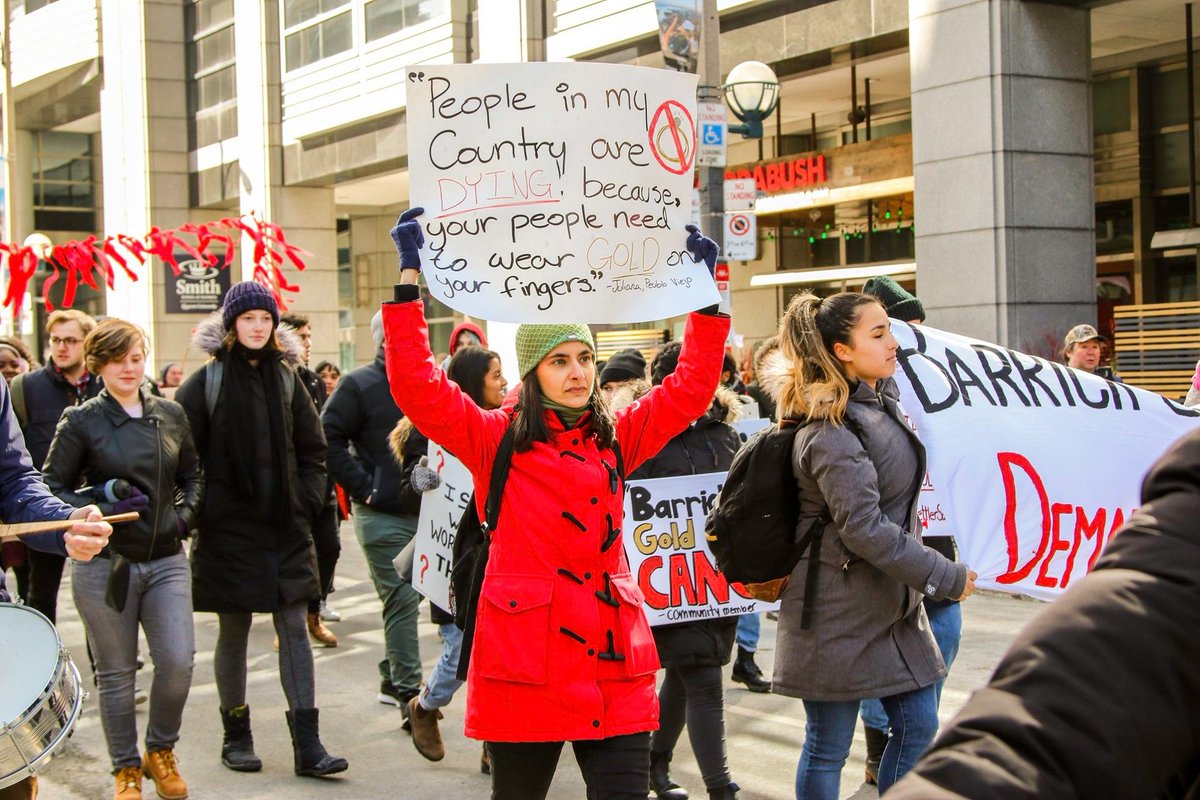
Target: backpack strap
500 470
17 395
214 374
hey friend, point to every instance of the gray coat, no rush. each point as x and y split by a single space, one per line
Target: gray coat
869 636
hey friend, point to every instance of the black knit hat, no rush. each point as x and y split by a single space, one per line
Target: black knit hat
247 296
898 303
625 365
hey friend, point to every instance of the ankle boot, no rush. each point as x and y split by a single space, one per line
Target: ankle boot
747 672
876 743
727 792
660 779
319 632
237 749
311 758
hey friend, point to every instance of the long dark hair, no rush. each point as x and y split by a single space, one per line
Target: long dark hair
469 368
530 423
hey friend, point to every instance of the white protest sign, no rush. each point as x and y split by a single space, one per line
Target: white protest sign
669 556
741 236
556 192
441 509
748 426
1032 466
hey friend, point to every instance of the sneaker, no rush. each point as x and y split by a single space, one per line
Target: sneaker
129 784
328 614
389 695
160 767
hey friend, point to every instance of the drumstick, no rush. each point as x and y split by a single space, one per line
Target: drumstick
26 528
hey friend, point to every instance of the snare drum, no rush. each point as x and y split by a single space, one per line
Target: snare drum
40 698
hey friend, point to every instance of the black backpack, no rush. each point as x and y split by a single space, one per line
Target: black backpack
751 530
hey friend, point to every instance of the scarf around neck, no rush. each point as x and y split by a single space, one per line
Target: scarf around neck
569 416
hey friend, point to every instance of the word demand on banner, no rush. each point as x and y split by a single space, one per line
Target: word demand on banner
669 556
1033 466
556 192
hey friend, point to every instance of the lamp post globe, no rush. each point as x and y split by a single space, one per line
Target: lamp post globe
752 91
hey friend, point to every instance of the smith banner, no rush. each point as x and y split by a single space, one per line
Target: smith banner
1032 465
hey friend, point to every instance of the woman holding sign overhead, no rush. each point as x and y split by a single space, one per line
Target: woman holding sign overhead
563 651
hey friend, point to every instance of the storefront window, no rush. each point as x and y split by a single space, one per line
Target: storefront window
1114 227
1110 106
385 17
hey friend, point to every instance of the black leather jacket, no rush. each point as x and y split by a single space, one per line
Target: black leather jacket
98 440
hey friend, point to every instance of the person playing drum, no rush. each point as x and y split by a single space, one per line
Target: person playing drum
25 498
136 449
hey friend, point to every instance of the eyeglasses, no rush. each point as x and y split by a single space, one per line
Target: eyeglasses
70 341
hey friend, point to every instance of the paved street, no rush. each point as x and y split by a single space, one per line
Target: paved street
764 731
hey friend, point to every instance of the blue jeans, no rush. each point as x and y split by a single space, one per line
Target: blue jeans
748 628
945 620
829 730
440 688
160 599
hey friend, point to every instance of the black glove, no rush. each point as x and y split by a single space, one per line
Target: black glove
136 501
408 236
702 248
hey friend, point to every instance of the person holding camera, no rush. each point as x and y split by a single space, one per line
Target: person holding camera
131 451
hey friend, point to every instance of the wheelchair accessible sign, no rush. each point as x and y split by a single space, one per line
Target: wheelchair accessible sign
710 123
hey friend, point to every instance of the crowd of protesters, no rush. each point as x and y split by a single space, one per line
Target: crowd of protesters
248 455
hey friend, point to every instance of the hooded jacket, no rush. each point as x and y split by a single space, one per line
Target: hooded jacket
707 445
562 649
98 441
466 326
869 635
1097 696
242 558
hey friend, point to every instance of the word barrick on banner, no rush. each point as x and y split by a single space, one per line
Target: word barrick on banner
555 192
1032 466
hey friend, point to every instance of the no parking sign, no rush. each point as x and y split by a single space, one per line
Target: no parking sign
741 237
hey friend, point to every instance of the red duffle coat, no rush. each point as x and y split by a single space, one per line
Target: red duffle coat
562 648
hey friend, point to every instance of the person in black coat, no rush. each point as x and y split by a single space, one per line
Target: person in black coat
264 461
692 653
1097 696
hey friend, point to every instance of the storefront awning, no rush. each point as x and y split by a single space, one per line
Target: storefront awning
903 269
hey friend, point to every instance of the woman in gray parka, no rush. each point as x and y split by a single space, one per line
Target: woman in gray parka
860 465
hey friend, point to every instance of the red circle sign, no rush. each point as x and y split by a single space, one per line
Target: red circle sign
739 224
673 137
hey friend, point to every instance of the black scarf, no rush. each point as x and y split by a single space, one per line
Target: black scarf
238 393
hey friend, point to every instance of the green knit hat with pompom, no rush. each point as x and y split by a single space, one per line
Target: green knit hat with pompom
535 341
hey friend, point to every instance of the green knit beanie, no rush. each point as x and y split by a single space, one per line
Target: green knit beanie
535 341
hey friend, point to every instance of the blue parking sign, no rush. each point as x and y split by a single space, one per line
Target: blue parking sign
714 133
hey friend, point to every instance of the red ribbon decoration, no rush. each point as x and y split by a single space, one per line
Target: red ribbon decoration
85 261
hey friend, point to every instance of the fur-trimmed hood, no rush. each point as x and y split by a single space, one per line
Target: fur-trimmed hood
210 333
776 373
726 405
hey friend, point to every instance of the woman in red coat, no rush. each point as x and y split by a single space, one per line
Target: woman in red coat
562 650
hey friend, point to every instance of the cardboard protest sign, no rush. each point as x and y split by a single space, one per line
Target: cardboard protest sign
556 192
441 509
1033 466
669 556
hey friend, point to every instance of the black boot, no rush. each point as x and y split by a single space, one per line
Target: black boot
660 779
727 792
876 742
237 748
311 757
747 672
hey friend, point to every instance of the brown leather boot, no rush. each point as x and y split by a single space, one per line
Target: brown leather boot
159 766
320 634
425 734
129 784
485 761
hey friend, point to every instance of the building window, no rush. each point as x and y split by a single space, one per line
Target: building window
212 83
1110 106
314 30
385 17
34 5
64 185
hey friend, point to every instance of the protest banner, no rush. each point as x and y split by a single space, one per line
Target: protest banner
1033 466
441 509
669 556
556 192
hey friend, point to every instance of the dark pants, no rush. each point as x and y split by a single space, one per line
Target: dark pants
693 695
617 768
328 545
45 575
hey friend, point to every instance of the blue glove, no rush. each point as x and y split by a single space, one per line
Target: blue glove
136 501
702 248
408 238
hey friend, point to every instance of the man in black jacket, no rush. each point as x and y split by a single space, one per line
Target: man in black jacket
39 399
1097 697
325 527
357 420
